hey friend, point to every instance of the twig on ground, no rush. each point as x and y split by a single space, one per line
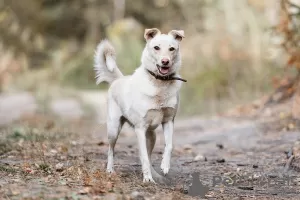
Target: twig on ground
288 164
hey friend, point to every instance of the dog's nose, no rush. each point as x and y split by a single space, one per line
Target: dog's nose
165 61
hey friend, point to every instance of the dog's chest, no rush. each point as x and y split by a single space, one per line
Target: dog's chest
154 117
162 100
164 97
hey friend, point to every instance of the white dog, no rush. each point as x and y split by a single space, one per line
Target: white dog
146 99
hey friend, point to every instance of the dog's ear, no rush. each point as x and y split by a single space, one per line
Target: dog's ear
177 34
151 33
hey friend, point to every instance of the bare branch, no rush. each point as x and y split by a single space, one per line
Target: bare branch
293 5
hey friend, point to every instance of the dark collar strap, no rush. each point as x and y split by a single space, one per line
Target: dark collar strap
166 78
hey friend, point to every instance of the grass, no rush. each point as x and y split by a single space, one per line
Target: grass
7 169
5 147
221 86
44 167
33 135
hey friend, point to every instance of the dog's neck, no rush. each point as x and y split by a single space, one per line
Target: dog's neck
170 77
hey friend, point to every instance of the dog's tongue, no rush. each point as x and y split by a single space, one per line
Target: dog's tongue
164 70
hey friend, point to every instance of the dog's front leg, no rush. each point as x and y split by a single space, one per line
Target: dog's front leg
168 133
146 165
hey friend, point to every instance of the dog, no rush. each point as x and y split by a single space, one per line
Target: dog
146 99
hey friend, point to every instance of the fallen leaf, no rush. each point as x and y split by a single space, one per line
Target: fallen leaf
101 143
85 190
59 167
187 147
200 157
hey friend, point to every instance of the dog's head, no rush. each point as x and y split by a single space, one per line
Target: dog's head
161 54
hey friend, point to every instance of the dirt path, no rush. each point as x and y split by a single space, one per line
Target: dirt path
41 158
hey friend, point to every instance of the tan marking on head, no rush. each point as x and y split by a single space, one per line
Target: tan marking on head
151 33
177 34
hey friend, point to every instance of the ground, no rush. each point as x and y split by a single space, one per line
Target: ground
43 157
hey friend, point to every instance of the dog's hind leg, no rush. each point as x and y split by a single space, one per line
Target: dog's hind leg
114 125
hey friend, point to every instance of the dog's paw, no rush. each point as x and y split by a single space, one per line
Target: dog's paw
110 170
148 179
165 167
165 170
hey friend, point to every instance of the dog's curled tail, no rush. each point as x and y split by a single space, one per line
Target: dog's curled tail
105 64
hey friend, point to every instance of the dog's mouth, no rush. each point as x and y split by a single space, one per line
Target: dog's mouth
163 70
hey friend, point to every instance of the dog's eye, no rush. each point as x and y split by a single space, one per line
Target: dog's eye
172 49
156 48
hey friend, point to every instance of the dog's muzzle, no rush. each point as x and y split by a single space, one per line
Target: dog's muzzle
163 70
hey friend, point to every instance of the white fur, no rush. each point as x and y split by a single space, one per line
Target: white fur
140 99
104 63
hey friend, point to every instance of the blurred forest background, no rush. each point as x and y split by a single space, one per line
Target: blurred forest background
233 51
